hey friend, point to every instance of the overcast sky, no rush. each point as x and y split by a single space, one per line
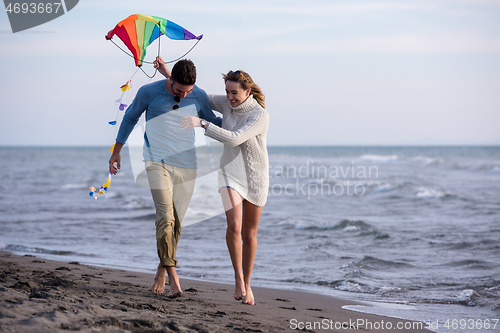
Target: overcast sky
333 72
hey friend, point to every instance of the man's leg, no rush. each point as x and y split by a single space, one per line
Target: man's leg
171 188
183 186
160 183
184 181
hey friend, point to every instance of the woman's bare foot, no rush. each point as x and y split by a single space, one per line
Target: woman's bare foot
239 289
158 286
173 281
248 298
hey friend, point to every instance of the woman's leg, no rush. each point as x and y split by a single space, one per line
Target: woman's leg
231 201
251 217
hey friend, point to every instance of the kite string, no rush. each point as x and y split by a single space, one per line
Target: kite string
120 99
133 75
167 62
156 69
185 54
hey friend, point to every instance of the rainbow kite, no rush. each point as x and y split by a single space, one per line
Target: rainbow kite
138 31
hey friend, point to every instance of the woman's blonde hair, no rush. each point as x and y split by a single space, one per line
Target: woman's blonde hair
246 82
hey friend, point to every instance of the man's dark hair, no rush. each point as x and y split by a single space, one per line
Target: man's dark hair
184 72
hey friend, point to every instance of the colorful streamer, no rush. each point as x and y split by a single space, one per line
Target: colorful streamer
95 193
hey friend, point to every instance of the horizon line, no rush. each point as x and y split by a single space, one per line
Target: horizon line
282 145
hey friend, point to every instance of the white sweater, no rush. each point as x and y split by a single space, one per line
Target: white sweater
244 164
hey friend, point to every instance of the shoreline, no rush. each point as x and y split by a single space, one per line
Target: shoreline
41 295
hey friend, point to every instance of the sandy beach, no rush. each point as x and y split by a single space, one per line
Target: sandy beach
39 295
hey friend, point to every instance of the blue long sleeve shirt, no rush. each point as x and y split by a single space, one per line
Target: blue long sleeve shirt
164 139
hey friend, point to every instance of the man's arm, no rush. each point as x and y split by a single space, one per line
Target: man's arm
205 108
130 119
133 113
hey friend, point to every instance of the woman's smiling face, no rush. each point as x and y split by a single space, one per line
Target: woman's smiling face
235 94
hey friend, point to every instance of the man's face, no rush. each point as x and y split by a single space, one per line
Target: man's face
181 90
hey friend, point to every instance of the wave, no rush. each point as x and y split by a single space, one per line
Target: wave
134 203
305 225
426 160
470 264
430 193
467 297
351 286
354 227
356 288
384 187
74 187
363 228
380 158
345 225
424 192
494 171
350 228
483 245
27 249
372 263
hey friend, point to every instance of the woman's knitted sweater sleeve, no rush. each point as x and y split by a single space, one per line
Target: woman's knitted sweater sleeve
257 123
217 102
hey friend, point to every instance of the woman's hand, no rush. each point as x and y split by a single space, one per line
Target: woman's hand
188 122
161 66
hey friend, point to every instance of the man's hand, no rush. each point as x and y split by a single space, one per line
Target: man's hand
190 121
161 66
115 158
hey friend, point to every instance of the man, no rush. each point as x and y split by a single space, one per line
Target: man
170 157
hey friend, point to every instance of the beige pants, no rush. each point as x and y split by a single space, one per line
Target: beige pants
171 188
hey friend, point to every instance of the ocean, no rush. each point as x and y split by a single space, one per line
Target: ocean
412 231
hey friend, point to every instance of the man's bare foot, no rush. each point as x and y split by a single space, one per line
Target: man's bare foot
248 298
158 286
173 281
239 289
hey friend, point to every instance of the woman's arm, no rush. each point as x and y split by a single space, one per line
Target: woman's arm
256 124
218 102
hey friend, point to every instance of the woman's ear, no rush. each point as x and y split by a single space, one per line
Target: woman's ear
249 90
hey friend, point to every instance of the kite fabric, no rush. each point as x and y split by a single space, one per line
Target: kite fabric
138 31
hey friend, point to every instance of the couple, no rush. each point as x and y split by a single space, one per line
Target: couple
174 105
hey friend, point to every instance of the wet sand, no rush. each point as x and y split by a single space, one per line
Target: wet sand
40 295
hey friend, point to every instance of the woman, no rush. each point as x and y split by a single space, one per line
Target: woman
244 170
